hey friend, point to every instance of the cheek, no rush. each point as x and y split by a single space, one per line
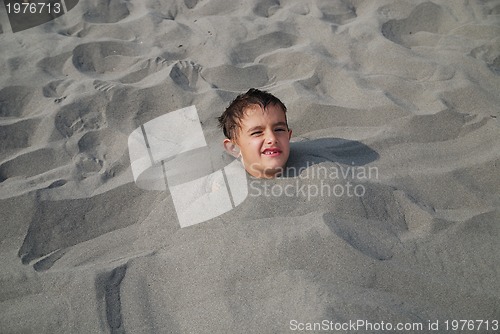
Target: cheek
251 147
285 140
254 143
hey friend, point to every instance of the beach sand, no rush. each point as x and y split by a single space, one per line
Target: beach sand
407 89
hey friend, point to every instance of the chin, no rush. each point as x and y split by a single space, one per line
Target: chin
274 169
276 165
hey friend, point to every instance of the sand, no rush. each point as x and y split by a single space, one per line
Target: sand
406 89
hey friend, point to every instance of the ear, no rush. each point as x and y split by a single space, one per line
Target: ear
232 148
289 134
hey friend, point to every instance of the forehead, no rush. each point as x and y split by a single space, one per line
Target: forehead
254 115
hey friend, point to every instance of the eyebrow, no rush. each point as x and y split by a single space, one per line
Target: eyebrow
258 127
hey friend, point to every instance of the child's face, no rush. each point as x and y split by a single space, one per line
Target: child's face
264 141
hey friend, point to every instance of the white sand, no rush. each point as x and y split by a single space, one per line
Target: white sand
411 88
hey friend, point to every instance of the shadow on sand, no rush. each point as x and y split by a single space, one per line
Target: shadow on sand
311 152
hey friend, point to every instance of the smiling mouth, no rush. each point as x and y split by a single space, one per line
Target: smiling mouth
271 152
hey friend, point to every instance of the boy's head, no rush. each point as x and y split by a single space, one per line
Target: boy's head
256 130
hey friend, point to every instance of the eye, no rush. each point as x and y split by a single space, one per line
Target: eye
255 133
280 129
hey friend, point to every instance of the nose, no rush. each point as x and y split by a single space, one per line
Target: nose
270 137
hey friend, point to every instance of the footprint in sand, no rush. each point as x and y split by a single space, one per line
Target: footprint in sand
490 54
87 165
56 89
80 116
99 153
104 57
103 86
17 135
337 11
144 69
54 65
495 65
426 18
14 100
98 11
185 74
266 8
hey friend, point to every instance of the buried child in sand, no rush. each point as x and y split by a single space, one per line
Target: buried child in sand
257 131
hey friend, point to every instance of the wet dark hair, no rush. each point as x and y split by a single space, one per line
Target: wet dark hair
230 120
